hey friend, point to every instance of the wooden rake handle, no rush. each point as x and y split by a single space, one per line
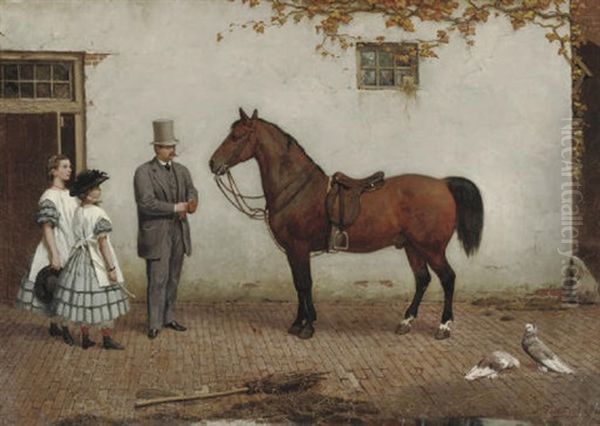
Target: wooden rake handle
154 401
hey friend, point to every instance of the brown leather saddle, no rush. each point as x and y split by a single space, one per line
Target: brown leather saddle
343 204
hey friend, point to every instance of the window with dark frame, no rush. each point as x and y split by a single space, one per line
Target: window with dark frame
387 65
36 80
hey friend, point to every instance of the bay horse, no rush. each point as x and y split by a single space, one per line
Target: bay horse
414 212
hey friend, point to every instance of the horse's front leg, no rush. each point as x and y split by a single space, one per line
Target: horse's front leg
300 265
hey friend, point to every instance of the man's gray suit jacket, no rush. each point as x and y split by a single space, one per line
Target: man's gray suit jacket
155 207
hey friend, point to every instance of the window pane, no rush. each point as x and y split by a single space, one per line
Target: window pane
367 59
42 90
26 90
11 72
11 89
61 72
62 90
42 72
386 59
368 78
386 78
26 72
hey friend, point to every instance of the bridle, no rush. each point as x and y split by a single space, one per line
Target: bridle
232 193
230 189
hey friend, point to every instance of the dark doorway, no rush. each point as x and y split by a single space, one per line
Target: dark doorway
26 142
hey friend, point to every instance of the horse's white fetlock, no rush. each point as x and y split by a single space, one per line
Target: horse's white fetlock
407 321
405 325
445 326
443 331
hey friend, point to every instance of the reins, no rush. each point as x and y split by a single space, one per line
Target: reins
233 194
238 200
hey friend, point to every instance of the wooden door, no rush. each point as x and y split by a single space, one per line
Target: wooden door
26 142
589 237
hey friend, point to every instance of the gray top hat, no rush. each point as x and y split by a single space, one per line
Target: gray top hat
163 132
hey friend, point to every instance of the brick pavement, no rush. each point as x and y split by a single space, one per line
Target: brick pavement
42 380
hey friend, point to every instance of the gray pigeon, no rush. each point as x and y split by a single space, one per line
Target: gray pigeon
541 354
491 365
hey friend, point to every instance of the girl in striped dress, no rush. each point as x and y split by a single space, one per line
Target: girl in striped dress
89 291
55 215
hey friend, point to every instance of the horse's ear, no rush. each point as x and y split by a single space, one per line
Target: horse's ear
243 115
255 115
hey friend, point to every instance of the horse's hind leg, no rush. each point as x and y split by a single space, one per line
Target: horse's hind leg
446 274
306 315
422 279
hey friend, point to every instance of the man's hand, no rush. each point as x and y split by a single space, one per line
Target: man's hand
192 206
181 207
112 276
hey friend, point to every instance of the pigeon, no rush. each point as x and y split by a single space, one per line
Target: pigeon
541 354
491 365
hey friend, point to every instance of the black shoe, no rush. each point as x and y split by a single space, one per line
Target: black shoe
86 342
66 335
152 333
109 343
55 330
176 326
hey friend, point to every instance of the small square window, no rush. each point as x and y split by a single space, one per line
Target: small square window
26 72
42 72
26 90
62 91
10 89
386 77
11 72
61 72
42 90
386 59
387 65
369 78
368 58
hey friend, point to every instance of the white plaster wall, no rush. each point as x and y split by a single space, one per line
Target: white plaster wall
492 113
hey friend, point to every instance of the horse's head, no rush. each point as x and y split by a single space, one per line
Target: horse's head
238 146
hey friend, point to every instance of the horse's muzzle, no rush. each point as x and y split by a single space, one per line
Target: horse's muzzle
217 169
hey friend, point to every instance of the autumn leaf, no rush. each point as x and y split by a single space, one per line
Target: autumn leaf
259 27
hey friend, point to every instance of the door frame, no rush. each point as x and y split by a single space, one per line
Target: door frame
74 106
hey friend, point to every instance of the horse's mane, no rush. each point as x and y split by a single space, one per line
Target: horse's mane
291 141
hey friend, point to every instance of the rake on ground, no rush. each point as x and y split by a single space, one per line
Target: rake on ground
272 384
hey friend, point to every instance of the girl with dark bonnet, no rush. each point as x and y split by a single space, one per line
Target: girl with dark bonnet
55 216
89 291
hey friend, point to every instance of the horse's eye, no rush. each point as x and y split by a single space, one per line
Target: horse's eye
237 135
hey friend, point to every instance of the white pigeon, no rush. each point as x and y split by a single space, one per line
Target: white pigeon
541 354
491 365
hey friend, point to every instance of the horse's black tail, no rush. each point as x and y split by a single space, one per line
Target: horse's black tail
469 212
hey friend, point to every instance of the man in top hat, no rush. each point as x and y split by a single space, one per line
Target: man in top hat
165 194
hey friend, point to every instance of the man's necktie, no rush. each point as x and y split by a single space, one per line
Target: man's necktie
168 167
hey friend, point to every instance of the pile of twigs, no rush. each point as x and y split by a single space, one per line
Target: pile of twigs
272 384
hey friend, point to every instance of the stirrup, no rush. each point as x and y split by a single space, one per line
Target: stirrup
339 239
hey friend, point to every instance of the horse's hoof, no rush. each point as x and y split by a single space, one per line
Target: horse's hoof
442 333
295 329
307 332
403 328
